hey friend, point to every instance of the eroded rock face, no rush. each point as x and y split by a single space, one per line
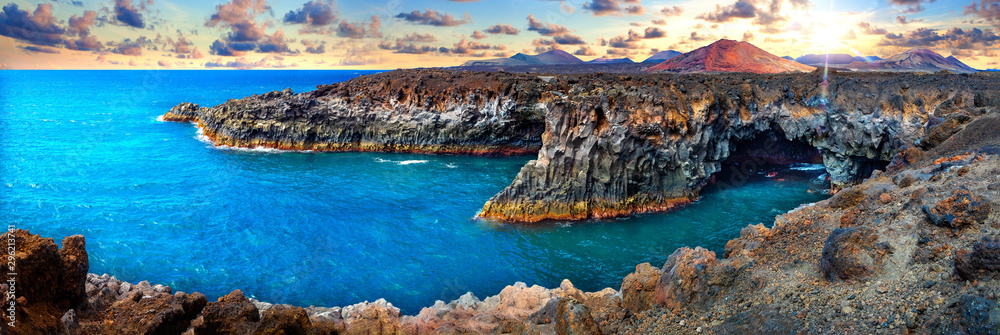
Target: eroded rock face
618 145
49 281
422 111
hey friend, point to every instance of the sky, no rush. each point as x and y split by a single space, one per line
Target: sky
318 34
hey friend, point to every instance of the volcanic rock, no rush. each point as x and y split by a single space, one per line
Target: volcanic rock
959 210
47 281
851 253
982 261
685 279
639 288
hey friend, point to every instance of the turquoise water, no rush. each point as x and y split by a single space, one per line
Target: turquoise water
81 152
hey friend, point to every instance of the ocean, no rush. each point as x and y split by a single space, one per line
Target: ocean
82 152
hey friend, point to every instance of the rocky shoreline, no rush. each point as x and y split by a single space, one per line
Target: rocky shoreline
609 145
911 249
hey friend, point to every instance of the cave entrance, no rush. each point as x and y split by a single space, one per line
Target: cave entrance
766 155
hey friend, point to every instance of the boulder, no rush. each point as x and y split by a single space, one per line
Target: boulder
851 253
284 320
639 288
685 279
982 261
160 313
378 317
573 317
231 314
959 210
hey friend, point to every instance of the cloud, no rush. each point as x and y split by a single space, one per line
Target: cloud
433 18
654 32
182 46
739 10
130 47
901 19
659 22
313 13
87 43
369 28
417 37
567 8
245 34
242 63
466 47
613 8
128 15
275 43
195 54
909 6
222 48
39 28
584 51
164 63
869 29
672 11
568 39
364 54
236 12
747 37
988 10
545 29
955 39
314 47
80 25
505 29
32 48
698 37
478 35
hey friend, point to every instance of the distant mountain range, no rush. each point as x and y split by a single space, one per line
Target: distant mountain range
662 56
729 56
611 61
914 60
732 56
552 57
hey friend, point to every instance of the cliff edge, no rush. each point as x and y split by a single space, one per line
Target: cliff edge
608 145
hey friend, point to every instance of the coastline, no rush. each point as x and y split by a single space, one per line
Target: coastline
875 258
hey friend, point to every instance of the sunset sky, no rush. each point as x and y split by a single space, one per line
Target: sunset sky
267 34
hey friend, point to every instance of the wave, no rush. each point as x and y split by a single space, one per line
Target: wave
451 165
807 167
403 162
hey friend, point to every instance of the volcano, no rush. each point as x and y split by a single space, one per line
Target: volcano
729 56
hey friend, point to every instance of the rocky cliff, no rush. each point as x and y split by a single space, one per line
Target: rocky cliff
403 111
610 145
617 145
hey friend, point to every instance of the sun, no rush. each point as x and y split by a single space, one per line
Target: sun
828 30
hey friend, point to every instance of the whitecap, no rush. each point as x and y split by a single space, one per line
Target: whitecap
807 167
451 165
405 162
